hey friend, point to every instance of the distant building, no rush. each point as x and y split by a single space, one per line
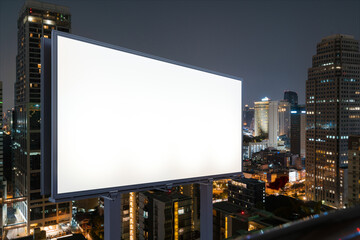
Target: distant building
164 215
291 97
273 123
247 192
284 119
354 171
248 117
297 136
333 113
279 121
261 117
250 148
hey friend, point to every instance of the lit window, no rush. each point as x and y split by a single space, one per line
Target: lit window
181 210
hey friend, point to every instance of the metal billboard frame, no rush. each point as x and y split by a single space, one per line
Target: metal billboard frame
49 126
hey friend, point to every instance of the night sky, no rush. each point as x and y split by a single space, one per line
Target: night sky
267 43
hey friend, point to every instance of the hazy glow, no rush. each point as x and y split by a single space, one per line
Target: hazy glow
124 119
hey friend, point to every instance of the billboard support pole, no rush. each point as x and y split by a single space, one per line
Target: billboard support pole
112 216
206 210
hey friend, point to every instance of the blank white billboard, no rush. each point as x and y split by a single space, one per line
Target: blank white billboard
124 119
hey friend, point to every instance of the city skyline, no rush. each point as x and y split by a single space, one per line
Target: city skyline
240 174
228 37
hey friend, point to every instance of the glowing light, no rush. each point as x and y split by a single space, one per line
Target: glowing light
168 117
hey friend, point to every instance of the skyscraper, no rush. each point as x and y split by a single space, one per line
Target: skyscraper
273 123
35 20
261 117
297 129
291 97
333 112
248 117
284 118
272 119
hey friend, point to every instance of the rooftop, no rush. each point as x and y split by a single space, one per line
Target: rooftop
44 6
166 196
337 36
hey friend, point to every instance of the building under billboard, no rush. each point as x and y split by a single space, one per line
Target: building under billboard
36 20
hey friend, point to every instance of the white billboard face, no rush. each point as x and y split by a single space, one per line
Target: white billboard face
123 119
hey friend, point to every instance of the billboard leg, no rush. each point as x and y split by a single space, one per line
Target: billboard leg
206 210
112 216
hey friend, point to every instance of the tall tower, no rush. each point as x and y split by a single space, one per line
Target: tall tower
35 20
261 117
291 97
273 120
298 119
333 112
248 117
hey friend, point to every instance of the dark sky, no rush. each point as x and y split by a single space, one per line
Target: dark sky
267 43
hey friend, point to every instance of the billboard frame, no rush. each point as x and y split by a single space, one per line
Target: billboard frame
52 127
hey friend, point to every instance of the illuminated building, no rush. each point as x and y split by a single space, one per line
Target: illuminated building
193 191
273 123
164 215
247 192
35 20
129 206
272 119
333 113
354 171
284 119
248 117
262 117
249 148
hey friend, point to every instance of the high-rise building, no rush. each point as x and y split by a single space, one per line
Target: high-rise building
262 117
284 118
35 20
333 112
247 192
272 119
291 97
273 122
354 171
297 139
248 117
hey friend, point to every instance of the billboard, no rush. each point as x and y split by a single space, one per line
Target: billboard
124 120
